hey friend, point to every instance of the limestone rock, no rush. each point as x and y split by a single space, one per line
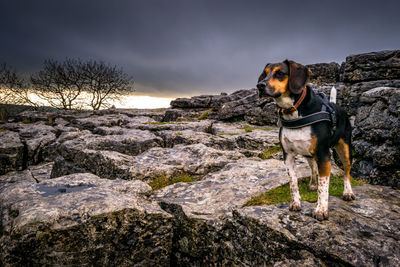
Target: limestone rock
324 72
230 188
81 219
196 159
11 152
363 232
383 65
376 136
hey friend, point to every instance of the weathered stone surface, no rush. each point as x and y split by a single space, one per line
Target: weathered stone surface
233 186
376 136
351 93
127 141
106 164
237 109
241 104
196 159
235 138
265 114
381 65
202 101
324 72
38 138
11 152
41 172
81 219
200 126
364 232
109 120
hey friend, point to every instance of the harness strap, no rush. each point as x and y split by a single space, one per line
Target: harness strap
306 120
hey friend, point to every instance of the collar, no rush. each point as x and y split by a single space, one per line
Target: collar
286 111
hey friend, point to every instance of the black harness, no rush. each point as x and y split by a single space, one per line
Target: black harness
327 113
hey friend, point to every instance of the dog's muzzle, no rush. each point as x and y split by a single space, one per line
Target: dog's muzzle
261 88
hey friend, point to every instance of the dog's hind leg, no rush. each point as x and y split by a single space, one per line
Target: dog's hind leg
312 186
295 204
343 151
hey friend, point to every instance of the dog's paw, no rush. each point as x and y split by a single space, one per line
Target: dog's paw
348 196
320 214
294 206
312 187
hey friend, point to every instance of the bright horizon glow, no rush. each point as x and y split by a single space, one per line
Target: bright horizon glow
133 101
126 101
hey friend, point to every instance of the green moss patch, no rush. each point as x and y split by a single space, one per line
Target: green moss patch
249 128
26 121
269 152
163 181
231 134
204 115
282 194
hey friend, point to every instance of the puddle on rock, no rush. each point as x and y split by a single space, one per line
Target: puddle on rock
46 190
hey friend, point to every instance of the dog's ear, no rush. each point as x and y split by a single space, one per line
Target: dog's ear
263 74
298 76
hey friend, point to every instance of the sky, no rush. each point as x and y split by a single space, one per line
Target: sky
180 48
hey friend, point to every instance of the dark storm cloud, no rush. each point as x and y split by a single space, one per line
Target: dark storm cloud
191 47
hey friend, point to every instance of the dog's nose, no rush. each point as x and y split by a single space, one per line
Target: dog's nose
261 85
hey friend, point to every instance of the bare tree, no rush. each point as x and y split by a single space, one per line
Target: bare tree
13 90
62 84
104 83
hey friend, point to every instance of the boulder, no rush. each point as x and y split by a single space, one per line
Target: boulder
351 93
324 72
376 136
383 65
11 152
81 219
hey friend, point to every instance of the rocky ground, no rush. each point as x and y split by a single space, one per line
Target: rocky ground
75 186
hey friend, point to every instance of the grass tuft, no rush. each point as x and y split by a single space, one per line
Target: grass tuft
163 181
26 121
3 130
282 194
269 152
249 128
204 115
231 134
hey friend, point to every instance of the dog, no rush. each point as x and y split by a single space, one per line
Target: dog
287 82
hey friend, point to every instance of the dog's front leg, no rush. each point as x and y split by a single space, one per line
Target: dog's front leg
295 204
324 170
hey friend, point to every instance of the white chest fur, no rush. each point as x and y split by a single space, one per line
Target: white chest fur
297 141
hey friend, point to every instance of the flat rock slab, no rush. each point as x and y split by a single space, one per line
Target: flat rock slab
248 143
233 186
82 219
196 159
364 232
199 126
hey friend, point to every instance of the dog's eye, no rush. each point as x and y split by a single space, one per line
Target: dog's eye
279 74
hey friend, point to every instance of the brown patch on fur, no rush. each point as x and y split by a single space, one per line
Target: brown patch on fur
343 151
267 70
324 168
313 144
279 86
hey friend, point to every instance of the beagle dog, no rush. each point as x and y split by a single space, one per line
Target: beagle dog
286 82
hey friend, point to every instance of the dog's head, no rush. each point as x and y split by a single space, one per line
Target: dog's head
282 78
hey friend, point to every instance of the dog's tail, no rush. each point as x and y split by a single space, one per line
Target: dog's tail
332 96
